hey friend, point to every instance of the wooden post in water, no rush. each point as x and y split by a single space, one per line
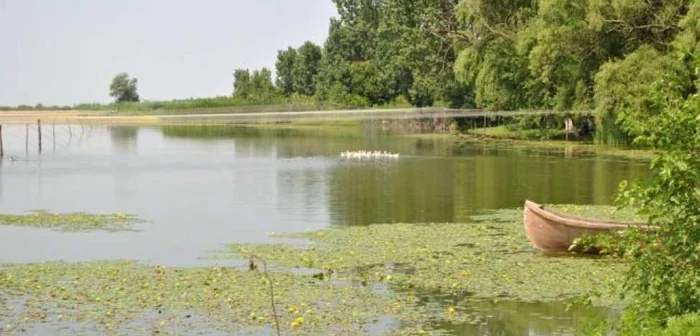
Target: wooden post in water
26 139
2 151
568 126
38 123
53 135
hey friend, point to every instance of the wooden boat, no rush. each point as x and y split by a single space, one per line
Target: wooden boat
550 231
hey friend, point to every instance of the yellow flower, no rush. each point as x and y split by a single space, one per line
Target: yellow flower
298 322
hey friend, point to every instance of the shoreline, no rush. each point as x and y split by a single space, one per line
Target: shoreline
318 119
205 116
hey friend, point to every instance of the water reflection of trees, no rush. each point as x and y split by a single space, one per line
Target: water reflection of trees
124 138
509 318
450 189
433 181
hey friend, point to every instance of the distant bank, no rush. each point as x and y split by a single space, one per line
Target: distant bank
222 116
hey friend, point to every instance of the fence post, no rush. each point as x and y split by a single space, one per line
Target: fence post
38 123
2 151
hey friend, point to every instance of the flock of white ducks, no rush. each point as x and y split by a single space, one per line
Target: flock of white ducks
368 155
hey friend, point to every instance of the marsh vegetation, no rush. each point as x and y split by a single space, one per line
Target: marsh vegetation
392 278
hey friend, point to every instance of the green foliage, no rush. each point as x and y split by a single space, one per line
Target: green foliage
123 88
686 46
241 83
577 55
629 24
500 82
306 67
254 89
664 275
37 107
261 88
284 67
686 325
379 50
623 91
557 44
635 325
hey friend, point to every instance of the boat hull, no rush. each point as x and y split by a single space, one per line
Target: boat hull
552 232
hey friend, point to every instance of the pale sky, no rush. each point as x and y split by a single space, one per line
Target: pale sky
67 51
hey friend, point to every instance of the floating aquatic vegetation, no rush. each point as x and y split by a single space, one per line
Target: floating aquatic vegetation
74 221
363 155
130 298
403 279
482 260
490 259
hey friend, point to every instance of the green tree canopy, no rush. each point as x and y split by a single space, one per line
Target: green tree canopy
261 87
241 83
124 89
590 55
306 67
623 91
286 59
576 55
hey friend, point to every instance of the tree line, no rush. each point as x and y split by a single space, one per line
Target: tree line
605 56
566 55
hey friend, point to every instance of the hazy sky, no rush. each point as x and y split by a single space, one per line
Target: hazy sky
67 51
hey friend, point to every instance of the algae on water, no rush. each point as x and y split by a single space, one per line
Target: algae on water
490 258
402 279
131 298
74 221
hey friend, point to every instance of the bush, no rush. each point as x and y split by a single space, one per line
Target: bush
664 276
686 325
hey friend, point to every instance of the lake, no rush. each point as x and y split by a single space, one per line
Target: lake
201 187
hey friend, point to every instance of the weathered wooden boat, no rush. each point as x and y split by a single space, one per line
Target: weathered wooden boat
550 231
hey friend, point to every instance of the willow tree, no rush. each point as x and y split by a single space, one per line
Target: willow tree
124 89
488 60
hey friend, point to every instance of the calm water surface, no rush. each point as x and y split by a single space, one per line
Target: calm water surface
203 187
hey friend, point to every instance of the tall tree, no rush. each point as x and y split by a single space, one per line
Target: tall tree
306 67
488 60
241 83
351 39
261 87
286 59
415 51
123 88
380 50
562 55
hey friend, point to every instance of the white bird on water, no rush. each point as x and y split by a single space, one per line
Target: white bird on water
368 155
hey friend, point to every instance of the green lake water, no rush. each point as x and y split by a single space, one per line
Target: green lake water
201 188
